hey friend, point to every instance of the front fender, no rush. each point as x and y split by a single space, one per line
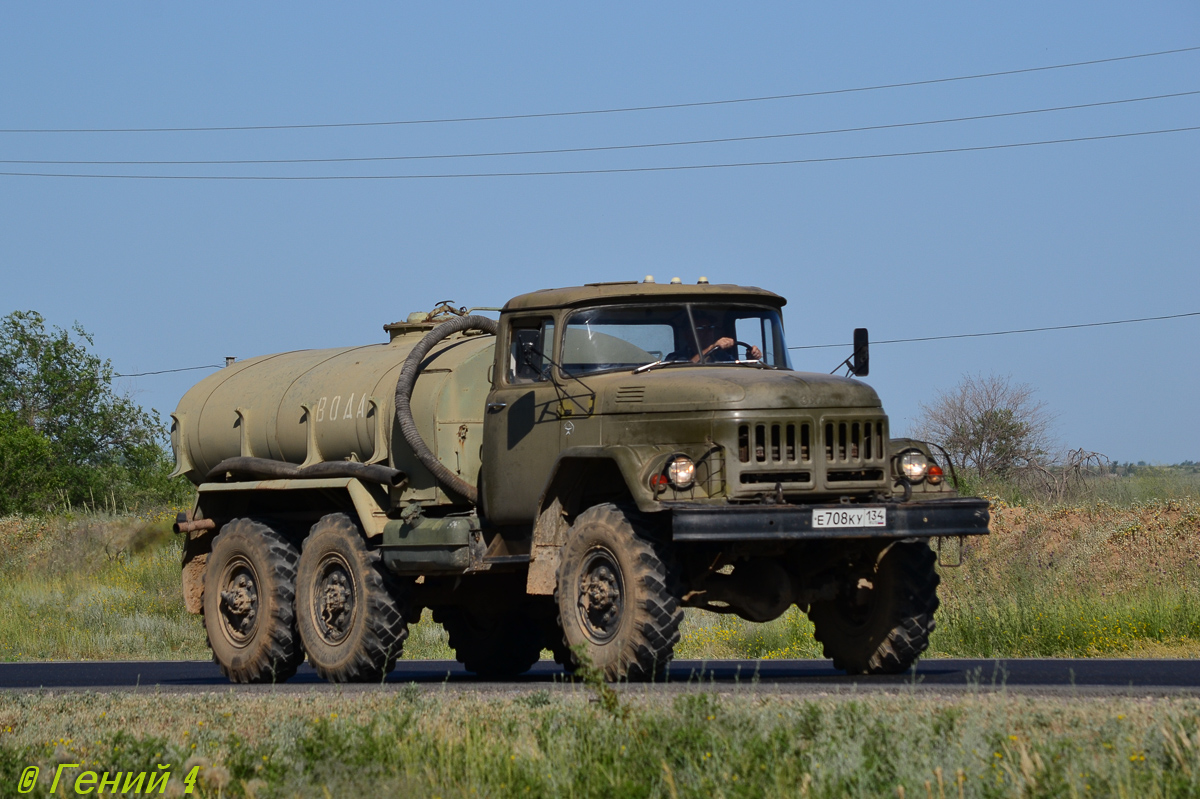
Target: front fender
634 463
579 471
581 477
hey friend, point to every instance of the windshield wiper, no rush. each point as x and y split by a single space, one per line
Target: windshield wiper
646 367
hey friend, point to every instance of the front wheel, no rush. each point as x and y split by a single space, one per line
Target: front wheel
351 612
881 619
618 595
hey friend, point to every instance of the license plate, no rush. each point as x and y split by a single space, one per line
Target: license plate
850 517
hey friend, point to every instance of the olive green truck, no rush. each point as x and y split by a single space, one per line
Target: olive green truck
568 478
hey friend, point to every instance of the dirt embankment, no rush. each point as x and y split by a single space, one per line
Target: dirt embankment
1099 548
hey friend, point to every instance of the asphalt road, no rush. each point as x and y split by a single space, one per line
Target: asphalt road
1089 676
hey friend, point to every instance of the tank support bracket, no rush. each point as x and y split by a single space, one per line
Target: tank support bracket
244 433
313 453
380 453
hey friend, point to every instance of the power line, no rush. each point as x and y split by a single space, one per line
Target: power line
828 346
228 162
623 110
1003 332
613 171
168 371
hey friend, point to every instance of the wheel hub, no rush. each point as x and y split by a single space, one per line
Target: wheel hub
601 596
239 602
857 603
334 600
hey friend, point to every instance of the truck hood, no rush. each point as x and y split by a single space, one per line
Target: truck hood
700 388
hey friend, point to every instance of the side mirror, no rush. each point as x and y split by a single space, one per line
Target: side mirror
860 361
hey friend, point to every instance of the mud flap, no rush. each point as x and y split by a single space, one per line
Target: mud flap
548 536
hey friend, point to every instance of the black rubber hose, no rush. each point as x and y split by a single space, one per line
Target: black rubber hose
271 469
253 467
372 472
404 390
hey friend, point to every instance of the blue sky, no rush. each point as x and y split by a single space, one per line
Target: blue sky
180 273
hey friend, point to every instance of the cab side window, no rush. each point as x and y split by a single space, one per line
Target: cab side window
530 350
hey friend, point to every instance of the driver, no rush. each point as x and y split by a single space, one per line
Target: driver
713 346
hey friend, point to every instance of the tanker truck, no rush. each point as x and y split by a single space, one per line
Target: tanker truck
569 477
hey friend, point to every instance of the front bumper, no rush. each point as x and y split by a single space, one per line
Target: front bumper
928 519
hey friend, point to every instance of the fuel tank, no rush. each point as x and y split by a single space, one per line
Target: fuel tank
312 406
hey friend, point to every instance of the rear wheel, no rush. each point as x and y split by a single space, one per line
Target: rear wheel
249 590
351 611
618 595
881 620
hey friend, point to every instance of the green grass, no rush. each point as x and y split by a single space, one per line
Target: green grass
1082 627
560 742
428 641
94 587
718 637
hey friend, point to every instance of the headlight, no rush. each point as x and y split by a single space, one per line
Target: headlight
681 471
914 464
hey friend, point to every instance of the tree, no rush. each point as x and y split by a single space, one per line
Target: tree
988 425
71 432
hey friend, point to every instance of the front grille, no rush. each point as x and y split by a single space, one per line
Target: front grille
778 442
853 442
816 454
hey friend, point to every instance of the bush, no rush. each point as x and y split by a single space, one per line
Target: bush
27 480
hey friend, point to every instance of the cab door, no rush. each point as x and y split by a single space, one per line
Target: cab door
521 425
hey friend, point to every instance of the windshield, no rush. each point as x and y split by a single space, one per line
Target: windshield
629 336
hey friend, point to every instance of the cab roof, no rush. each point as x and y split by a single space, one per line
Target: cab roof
633 291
